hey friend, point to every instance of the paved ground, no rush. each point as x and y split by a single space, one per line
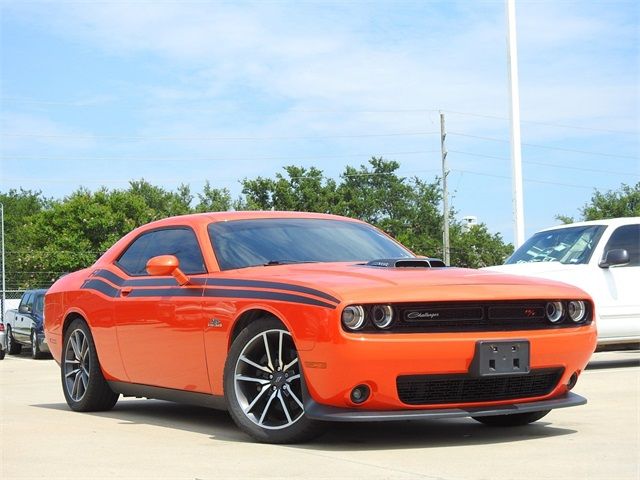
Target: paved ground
140 439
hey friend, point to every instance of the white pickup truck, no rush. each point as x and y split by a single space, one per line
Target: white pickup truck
602 257
24 326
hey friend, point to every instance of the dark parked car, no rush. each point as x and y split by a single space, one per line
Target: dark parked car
25 326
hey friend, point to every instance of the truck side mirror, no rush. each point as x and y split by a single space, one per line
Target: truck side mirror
617 256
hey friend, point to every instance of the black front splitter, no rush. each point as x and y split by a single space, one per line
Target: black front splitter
326 413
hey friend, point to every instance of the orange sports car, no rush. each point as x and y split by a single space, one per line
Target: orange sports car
292 320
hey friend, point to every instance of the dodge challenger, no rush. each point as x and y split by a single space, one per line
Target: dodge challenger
293 320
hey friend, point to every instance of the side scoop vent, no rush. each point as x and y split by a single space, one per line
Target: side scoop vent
406 263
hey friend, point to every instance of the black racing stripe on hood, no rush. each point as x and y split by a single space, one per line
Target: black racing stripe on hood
229 282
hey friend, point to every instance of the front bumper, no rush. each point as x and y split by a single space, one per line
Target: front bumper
325 413
335 366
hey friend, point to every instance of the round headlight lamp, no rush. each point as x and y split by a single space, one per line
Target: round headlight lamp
382 316
554 311
353 317
577 310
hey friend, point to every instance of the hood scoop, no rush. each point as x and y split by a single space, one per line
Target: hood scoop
406 263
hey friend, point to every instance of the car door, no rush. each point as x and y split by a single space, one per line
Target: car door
160 324
620 306
22 319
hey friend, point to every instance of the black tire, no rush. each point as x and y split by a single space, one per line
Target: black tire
2 353
36 353
297 427
513 420
95 395
13 347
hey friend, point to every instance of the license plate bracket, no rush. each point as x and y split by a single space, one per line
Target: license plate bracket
500 357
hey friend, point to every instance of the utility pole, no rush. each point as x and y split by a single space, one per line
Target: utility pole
4 286
514 114
445 194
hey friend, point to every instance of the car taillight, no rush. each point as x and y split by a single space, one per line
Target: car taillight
1 327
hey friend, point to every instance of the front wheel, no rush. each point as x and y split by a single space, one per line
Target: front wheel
13 347
263 385
513 420
83 384
36 353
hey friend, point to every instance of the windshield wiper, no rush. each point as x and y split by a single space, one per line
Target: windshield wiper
286 262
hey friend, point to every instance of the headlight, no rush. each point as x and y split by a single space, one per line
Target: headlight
382 316
554 311
353 317
577 310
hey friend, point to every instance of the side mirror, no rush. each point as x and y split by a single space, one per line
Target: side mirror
164 265
617 256
24 309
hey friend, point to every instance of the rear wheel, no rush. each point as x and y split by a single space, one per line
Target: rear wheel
83 384
263 385
513 420
35 346
13 347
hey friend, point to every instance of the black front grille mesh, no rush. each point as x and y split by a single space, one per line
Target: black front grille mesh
439 389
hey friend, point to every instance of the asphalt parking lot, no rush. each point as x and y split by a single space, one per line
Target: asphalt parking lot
41 438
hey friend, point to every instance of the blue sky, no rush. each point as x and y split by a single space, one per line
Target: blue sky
99 93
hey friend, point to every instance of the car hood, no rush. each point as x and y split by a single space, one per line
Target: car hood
353 282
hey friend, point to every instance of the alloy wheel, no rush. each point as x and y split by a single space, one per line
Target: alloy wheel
267 381
76 365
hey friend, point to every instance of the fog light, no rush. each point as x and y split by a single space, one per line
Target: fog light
554 311
577 310
573 380
360 394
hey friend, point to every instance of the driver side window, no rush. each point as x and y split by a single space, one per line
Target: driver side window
628 238
181 242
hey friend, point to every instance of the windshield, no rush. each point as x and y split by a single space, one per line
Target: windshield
571 245
273 241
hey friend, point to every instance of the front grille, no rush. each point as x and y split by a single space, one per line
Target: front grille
491 316
439 389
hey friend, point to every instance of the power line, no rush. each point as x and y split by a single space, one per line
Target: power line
548 124
195 159
530 180
549 147
101 102
544 164
172 138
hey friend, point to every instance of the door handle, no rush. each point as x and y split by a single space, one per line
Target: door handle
125 291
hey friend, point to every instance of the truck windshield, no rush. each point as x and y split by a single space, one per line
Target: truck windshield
278 241
571 245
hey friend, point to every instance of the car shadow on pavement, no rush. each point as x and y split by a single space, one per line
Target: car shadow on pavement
426 434
218 425
214 423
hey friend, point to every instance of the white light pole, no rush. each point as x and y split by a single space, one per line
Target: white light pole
4 289
514 114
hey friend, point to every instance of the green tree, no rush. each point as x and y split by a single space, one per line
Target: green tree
623 202
476 247
20 206
213 199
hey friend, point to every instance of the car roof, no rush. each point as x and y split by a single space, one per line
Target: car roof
615 222
241 215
